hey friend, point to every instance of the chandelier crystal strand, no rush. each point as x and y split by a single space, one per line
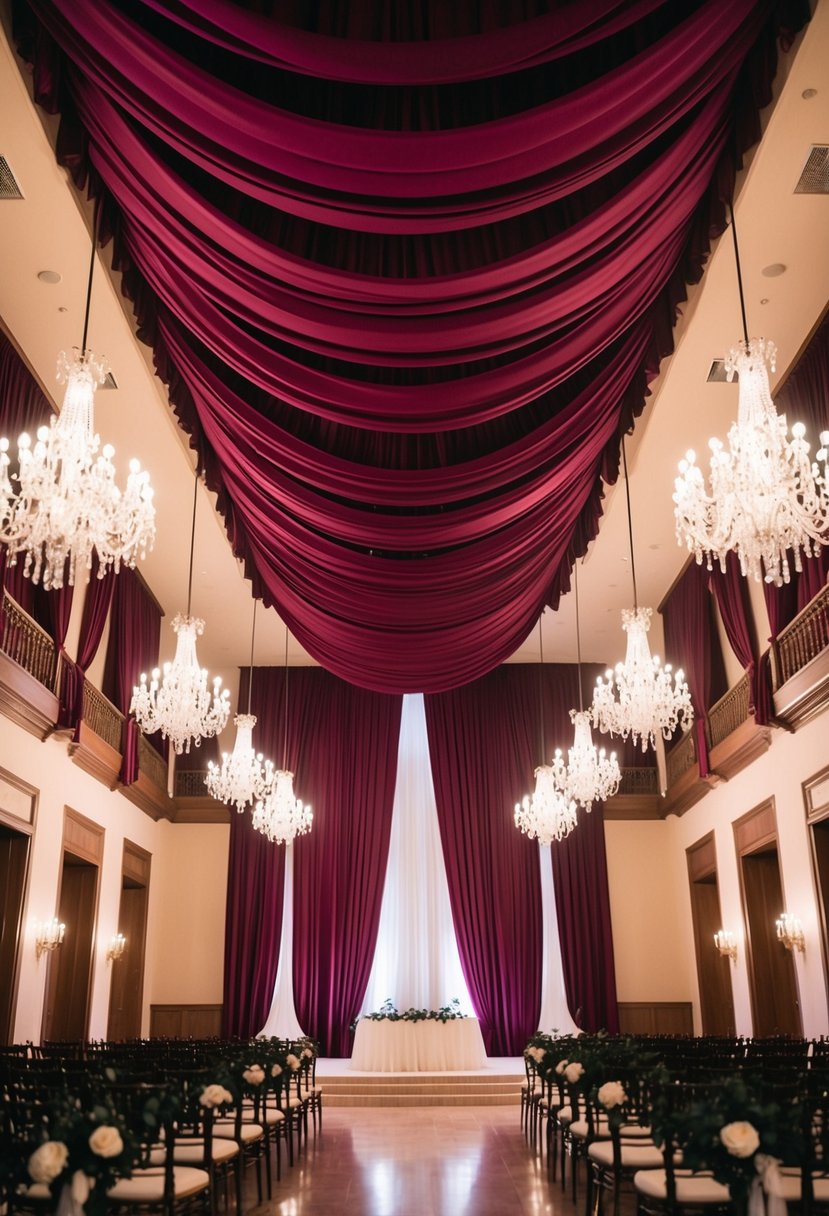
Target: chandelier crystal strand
640 697
66 503
177 700
766 497
279 814
550 813
589 774
243 775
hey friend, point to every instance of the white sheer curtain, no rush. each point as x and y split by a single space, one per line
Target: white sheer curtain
554 1012
282 1021
416 962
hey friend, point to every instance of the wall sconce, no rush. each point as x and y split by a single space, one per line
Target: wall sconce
790 932
726 943
49 935
116 947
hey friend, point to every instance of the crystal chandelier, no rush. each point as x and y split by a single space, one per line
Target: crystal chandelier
178 701
589 774
550 813
279 814
243 775
766 495
67 503
640 697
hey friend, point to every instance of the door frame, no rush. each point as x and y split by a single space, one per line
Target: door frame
24 828
816 805
136 864
701 862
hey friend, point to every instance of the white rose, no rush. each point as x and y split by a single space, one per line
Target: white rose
48 1161
540 1053
612 1094
560 1067
276 1070
741 1139
215 1095
254 1075
106 1141
80 1187
573 1072
292 1062
307 1053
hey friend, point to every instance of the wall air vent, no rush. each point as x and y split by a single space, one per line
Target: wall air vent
110 381
716 373
815 176
8 183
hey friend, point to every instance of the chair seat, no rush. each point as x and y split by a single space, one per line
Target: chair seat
190 1151
580 1130
565 1116
633 1156
248 1132
690 1188
147 1186
295 1102
38 1192
790 1186
272 1115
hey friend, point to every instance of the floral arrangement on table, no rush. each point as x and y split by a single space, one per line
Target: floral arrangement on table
732 1131
83 1153
388 1012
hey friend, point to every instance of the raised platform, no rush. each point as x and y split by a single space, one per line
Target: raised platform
499 1084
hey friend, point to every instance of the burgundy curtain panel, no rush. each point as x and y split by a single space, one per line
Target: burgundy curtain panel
134 637
484 743
341 745
404 309
96 608
731 593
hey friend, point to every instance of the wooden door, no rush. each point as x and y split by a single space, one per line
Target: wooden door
713 970
126 987
774 996
14 863
69 980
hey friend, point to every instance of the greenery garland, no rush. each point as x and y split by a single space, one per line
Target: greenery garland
388 1012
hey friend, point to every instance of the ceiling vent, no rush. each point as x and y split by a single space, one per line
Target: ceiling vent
8 183
815 176
109 381
716 373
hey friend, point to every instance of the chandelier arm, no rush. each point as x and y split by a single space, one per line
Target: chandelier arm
739 272
192 540
578 634
630 525
95 215
252 636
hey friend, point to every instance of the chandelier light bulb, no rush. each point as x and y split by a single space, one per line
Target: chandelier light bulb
178 701
641 697
244 775
550 814
766 496
280 815
589 775
67 502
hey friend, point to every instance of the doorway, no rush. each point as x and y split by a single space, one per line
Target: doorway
775 1001
69 977
816 798
127 984
14 867
713 969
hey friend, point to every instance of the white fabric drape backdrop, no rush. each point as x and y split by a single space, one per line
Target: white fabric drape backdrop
554 1012
282 1022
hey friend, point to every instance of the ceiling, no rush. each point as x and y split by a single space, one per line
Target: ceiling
49 230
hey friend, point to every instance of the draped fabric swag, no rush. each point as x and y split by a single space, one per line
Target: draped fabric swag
134 640
407 317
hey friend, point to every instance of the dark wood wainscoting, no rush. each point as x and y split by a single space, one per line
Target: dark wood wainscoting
185 1021
656 1017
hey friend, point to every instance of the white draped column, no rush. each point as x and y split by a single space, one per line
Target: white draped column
282 1021
555 1014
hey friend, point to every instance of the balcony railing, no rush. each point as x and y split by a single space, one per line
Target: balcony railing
728 713
152 764
804 639
639 781
23 640
681 758
101 716
189 783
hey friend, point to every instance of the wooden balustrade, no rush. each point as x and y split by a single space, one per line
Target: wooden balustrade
728 713
802 640
639 781
189 783
101 716
152 764
681 758
23 640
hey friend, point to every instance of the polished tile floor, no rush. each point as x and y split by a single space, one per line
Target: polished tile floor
427 1161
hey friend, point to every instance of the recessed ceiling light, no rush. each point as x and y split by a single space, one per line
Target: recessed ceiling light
48 276
764 300
808 94
774 270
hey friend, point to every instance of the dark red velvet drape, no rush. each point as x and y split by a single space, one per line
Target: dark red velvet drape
134 637
96 610
406 317
731 592
484 742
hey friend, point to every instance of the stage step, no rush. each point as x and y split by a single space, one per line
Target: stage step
421 1089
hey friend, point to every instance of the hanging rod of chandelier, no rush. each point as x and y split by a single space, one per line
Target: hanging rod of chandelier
66 503
767 498
177 701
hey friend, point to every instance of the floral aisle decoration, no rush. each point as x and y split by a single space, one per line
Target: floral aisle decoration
83 1154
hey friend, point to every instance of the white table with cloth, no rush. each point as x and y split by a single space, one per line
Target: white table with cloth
427 1046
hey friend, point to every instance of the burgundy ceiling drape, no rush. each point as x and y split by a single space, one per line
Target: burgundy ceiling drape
484 743
342 747
96 608
692 641
404 307
134 639
731 593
